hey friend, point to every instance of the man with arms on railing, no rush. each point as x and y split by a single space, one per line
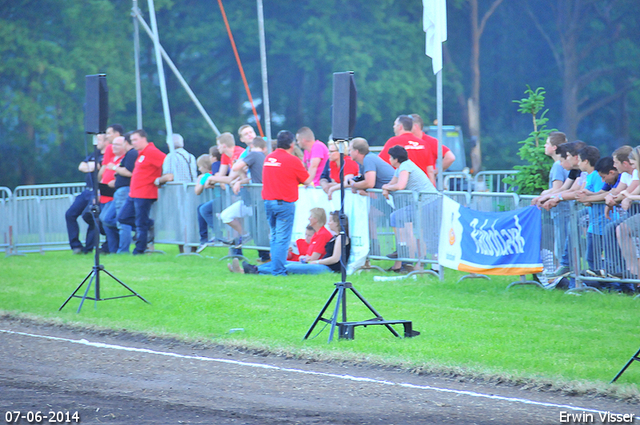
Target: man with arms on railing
143 192
179 165
415 147
315 155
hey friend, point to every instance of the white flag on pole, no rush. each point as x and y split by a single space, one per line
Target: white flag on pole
434 23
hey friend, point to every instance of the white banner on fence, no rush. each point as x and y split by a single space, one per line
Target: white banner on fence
356 208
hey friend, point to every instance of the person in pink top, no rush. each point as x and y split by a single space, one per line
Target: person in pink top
316 153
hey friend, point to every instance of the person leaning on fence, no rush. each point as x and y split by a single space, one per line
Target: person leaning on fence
615 265
576 181
557 174
315 154
205 211
374 173
604 178
179 165
247 169
330 178
330 261
230 154
214 158
569 159
281 174
407 176
418 153
82 203
628 231
143 191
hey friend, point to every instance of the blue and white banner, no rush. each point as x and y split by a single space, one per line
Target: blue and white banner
503 243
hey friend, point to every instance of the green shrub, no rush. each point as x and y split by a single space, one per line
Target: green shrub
532 177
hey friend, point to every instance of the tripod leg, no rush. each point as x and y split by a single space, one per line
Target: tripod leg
635 357
74 292
125 285
94 272
334 318
373 310
315 322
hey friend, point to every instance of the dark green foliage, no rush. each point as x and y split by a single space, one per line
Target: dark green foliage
533 177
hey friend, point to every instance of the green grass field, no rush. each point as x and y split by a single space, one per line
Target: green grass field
475 327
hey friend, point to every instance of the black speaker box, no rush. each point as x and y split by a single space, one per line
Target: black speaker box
96 106
343 117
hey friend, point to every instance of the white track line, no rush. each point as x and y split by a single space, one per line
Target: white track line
307 372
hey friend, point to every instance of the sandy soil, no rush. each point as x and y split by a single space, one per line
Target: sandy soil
216 385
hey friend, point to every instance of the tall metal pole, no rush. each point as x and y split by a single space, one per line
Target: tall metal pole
440 181
439 118
180 78
161 79
265 80
136 49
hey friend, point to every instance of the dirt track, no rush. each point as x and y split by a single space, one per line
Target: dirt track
173 383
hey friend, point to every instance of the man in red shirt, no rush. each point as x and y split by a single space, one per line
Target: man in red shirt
418 153
281 174
432 144
230 154
143 192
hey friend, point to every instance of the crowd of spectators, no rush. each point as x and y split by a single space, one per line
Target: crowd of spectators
606 186
132 170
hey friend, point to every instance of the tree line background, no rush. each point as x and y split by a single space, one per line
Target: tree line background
585 53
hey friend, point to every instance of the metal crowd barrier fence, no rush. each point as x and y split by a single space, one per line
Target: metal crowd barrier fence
176 219
5 218
407 228
457 181
492 181
603 252
598 252
38 216
493 202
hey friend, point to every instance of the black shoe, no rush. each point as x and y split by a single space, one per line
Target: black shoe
394 254
249 268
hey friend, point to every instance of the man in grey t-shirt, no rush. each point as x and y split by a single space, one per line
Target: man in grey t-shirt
374 171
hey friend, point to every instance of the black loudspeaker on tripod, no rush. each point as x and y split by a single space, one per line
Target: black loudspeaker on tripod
95 122
343 123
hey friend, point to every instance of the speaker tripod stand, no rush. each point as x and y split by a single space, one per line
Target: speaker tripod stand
94 274
346 328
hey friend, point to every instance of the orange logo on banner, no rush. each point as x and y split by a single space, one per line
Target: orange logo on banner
452 237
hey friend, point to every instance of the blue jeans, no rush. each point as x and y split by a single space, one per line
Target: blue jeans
594 251
135 212
108 220
81 207
124 230
280 217
294 267
205 218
